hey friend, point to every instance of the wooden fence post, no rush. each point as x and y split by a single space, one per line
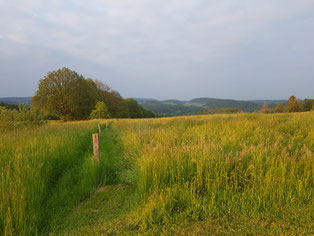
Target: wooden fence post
96 146
99 129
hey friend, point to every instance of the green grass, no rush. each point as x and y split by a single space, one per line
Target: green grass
46 171
103 213
198 175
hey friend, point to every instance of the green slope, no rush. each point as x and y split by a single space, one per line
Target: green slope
194 106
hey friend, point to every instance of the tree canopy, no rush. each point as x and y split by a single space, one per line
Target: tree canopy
66 94
70 96
110 97
295 105
100 111
308 104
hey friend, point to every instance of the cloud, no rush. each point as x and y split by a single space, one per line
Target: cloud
144 41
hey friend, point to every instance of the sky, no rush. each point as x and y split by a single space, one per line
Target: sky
162 49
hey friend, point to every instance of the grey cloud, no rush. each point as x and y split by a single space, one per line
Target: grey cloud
185 48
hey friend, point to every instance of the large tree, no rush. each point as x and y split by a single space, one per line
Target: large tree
295 105
66 94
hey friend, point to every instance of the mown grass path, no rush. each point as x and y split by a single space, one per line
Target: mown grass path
69 184
102 213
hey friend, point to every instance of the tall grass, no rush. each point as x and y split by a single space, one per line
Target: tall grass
45 171
184 169
199 167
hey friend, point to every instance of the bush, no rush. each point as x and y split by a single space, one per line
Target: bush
24 116
100 111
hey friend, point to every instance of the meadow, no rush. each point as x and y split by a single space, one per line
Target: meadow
209 174
44 172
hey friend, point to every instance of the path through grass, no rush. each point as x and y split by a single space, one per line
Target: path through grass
220 174
45 171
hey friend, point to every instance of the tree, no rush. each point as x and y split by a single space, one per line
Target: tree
280 108
308 104
110 97
129 108
264 108
100 111
295 105
135 110
123 110
66 94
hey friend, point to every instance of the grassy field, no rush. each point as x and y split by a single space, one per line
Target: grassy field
45 171
217 174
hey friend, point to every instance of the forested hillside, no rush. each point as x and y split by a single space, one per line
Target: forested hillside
197 105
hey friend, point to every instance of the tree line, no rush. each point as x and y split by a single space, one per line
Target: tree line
69 96
294 105
66 95
9 106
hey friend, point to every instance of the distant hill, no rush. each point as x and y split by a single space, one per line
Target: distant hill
269 102
145 100
225 110
169 109
174 107
174 102
246 106
16 100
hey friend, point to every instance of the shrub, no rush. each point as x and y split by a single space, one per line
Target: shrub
24 116
100 111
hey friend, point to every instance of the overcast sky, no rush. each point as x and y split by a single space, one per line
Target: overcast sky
181 49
